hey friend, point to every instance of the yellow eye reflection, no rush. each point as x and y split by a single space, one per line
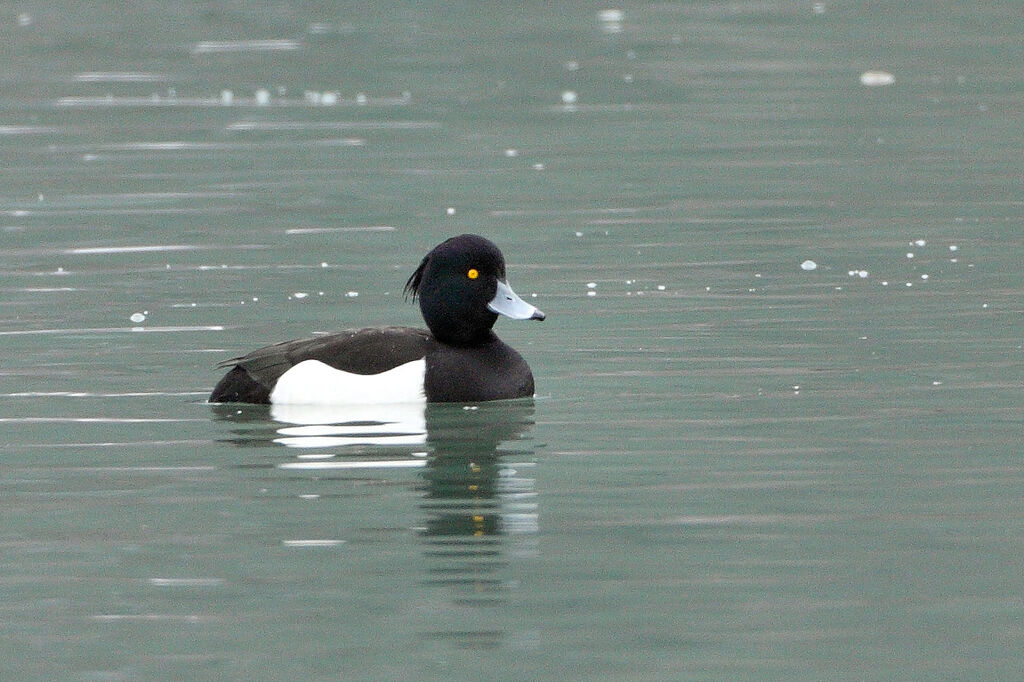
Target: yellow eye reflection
472 274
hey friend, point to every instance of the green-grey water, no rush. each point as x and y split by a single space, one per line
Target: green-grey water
738 465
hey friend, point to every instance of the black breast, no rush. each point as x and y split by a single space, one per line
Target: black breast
491 371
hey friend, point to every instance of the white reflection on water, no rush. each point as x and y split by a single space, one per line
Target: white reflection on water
318 426
94 420
29 130
412 415
148 248
118 77
269 45
186 582
333 125
188 618
89 394
328 230
114 330
357 464
227 98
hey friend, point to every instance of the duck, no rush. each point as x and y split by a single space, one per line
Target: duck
461 287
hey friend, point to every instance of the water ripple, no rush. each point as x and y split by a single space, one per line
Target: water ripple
222 46
115 330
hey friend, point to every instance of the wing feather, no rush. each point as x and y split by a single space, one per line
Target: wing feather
363 351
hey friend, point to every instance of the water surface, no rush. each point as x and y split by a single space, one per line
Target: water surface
734 467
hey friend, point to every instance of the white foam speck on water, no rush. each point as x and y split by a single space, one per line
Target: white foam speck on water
138 317
611 20
876 78
918 242
450 210
569 97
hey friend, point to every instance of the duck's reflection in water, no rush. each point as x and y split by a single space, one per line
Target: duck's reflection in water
480 516
479 481
479 502
478 475
400 424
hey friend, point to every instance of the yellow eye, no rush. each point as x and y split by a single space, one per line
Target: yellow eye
472 274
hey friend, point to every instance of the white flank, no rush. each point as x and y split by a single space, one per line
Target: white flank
311 382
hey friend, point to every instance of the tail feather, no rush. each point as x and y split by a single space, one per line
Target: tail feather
238 387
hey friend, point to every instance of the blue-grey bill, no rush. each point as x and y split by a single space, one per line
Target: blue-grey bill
506 302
